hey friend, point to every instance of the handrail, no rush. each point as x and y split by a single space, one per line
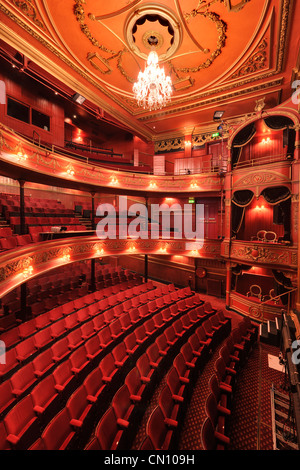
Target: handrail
261 160
278 297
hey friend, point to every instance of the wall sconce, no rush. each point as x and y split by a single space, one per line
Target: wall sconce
66 254
131 249
70 170
259 208
21 155
114 180
266 141
163 249
187 143
152 184
194 185
194 253
27 269
99 252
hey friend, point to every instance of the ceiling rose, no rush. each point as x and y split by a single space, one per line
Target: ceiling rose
153 26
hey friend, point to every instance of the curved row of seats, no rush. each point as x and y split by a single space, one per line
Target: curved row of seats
107 341
232 358
29 338
45 293
117 427
164 424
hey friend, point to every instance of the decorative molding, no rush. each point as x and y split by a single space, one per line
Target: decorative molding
255 62
264 253
54 253
28 8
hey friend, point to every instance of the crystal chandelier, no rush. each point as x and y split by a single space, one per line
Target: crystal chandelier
153 89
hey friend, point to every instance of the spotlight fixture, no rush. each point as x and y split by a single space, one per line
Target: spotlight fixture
78 98
218 115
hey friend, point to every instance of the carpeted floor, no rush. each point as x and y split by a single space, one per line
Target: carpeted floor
250 426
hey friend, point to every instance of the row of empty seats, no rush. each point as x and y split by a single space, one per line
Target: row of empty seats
232 357
29 337
80 356
164 424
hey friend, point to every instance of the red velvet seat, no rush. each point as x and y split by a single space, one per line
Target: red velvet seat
25 349
160 434
143 310
174 310
105 337
79 408
108 432
231 364
162 344
27 328
64 378
197 347
222 399
184 372
108 368
116 329
43 338
125 321
211 439
42 320
154 355
218 418
22 424
79 360
171 336
60 350
43 362
75 339
169 407
225 377
167 314
200 312
87 330
135 385
123 407
177 388
94 385
145 369
4 444
59 434
178 327
58 328
120 354
45 398
203 338
22 379
150 327
158 320
140 334
131 343
93 348
98 322
209 331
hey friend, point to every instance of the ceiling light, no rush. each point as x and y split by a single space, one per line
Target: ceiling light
218 115
78 98
153 89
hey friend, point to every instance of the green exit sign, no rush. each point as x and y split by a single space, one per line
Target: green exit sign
191 200
216 134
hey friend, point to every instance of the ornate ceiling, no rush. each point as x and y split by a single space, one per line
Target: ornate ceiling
220 54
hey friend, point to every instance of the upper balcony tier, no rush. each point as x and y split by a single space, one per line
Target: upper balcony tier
22 160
